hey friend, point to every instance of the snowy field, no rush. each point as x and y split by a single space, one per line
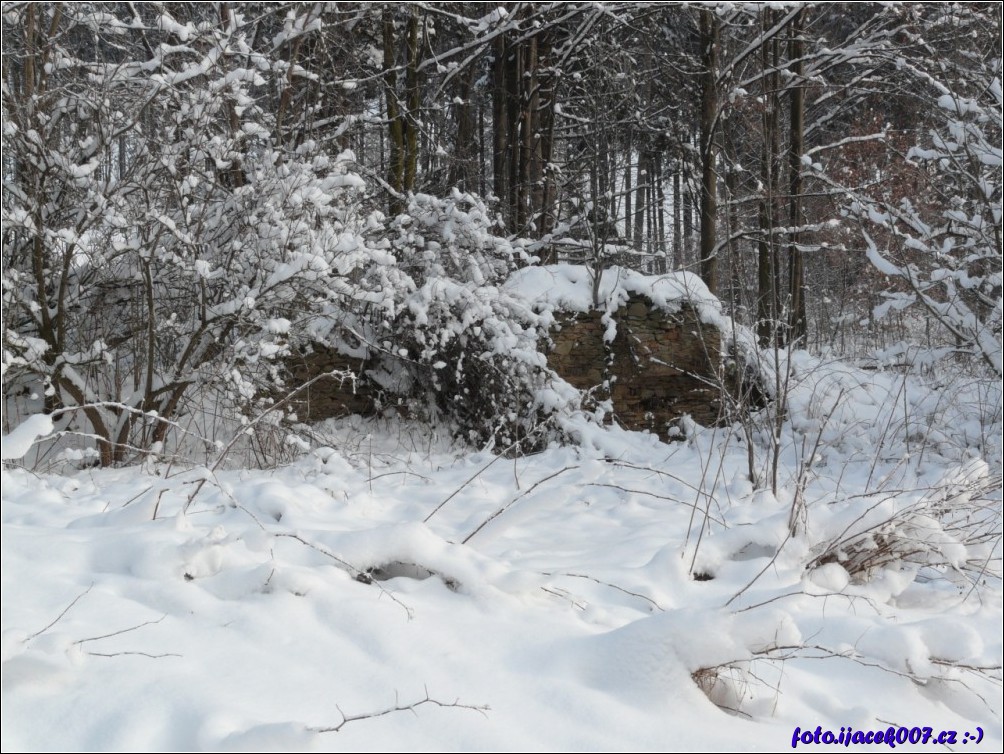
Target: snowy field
619 594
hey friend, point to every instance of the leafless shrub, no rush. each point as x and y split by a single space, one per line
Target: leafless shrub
953 526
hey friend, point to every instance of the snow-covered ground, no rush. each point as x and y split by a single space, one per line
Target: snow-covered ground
603 596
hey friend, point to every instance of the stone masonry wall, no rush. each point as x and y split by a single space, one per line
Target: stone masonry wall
329 397
661 366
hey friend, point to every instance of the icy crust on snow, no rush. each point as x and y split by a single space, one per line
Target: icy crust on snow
569 288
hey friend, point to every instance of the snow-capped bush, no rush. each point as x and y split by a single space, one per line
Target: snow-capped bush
156 227
166 253
456 336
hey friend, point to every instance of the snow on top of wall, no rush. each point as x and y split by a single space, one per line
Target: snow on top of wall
569 287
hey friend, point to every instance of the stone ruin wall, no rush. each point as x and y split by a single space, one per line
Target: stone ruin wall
329 397
662 366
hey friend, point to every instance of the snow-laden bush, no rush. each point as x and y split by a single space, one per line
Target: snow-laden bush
159 238
165 247
452 337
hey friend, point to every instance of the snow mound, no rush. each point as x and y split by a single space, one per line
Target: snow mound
17 444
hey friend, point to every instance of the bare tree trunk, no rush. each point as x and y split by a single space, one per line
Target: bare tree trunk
688 222
414 105
639 202
500 124
529 164
514 75
796 264
653 205
465 150
545 136
677 221
601 202
736 260
660 203
769 327
482 153
395 120
709 178
629 148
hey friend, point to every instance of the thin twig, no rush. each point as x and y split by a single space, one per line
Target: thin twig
658 497
60 616
137 496
138 654
457 491
359 575
398 473
156 506
122 631
660 472
478 473
651 601
565 596
346 719
512 502
761 572
356 573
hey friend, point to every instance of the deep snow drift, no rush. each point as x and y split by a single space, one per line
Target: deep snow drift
590 597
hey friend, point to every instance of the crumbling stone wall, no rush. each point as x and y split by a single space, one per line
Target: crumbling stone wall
329 397
659 366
